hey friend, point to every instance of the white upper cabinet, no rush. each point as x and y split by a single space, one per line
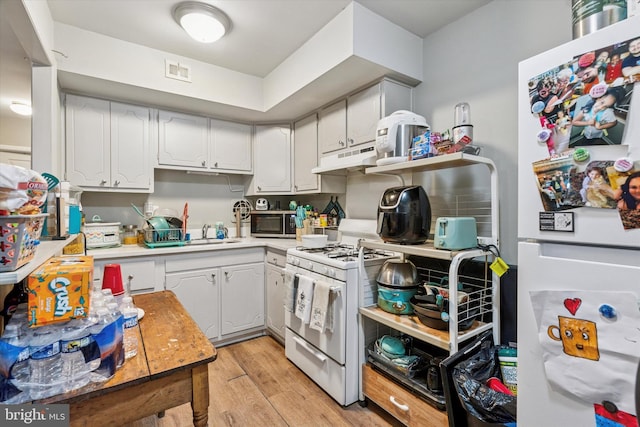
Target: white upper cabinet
182 140
272 168
363 114
230 145
107 145
332 127
354 120
305 136
305 149
188 142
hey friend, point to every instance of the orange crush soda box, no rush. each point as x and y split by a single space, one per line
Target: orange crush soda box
59 290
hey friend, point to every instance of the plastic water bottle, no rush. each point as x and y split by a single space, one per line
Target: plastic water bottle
45 363
14 353
104 334
130 313
119 319
80 353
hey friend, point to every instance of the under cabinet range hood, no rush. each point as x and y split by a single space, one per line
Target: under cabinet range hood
357 157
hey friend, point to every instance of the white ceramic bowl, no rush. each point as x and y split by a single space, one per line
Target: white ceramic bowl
314 240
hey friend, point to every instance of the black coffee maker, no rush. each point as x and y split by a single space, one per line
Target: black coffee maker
404 215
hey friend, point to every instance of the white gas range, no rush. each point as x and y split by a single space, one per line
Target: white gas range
331 358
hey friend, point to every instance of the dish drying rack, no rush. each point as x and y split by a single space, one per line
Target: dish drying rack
171 236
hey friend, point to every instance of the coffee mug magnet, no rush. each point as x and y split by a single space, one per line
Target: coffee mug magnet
579 337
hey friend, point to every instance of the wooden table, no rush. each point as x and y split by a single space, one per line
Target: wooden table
171 368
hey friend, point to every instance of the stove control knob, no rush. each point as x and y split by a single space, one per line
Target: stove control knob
331 272
295 261
310 266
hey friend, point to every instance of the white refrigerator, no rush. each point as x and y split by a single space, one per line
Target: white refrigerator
578 266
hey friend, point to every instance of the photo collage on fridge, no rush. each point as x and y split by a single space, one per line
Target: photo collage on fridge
580 104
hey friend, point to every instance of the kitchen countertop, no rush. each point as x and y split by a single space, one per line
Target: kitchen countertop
141 250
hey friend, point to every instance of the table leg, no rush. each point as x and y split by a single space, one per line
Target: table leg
200 402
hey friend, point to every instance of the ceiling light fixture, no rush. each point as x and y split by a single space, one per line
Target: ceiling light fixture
21 108
201 21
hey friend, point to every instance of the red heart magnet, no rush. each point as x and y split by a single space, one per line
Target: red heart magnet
572 304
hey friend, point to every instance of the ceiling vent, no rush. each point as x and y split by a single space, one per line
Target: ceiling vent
178 71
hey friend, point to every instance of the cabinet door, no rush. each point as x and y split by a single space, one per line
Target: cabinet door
230 145
130 155
182 140
88 141
199 292
305 134
275 299
363 114
242 297
272 150
332 127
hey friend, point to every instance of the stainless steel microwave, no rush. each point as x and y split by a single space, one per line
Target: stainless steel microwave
273 224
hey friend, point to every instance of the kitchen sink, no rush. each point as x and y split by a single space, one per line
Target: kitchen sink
210 241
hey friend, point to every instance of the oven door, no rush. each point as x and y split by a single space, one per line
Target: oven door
331 343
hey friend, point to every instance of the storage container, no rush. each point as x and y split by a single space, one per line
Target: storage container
19 239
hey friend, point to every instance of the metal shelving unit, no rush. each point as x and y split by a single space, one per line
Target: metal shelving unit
449 340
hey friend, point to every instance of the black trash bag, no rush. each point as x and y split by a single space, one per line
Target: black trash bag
470 377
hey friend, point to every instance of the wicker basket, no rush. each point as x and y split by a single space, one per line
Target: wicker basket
19 236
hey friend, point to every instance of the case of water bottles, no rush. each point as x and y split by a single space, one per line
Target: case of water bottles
36 363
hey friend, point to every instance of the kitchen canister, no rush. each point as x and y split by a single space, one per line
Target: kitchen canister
591 15
129 234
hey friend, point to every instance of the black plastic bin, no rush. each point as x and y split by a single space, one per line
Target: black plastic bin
467 414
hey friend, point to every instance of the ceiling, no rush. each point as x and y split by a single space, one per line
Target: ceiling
263 33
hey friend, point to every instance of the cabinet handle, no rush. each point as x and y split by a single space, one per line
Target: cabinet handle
116 183
204 163
295 187
103 182
129 279
213 278
400 406
215 164
350 140
341 142
259 188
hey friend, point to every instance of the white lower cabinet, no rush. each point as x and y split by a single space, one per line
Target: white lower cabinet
242 297
139 275
199 293
275 293
222 290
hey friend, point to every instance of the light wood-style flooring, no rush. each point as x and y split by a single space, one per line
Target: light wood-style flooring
252 383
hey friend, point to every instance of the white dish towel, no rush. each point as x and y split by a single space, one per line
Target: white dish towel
291 285
304 298
320 306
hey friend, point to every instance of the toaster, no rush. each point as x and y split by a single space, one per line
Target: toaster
455 233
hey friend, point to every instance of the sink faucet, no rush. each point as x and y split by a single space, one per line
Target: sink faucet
205 230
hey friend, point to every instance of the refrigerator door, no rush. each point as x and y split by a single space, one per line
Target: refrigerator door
551 266
595 226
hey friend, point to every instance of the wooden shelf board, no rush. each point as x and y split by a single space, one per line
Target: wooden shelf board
410 325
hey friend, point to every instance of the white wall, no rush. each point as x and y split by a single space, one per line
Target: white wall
475 59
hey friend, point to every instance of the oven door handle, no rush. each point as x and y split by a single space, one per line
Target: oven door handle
318 355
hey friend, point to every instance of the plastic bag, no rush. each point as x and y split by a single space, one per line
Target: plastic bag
470 377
